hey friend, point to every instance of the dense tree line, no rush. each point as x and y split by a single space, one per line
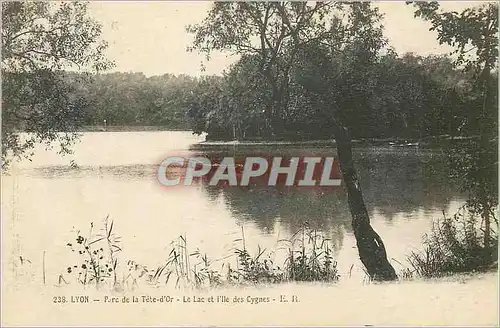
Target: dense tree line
406 96
132 99
402 96
313 67
344 70
292 95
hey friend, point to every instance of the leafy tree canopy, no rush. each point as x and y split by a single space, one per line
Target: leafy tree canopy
39 39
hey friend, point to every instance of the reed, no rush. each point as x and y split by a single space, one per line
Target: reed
308 258
96 262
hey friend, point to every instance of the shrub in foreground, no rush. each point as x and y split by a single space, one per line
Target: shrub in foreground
455 245
308 258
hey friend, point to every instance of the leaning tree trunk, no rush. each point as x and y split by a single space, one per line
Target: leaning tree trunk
370 246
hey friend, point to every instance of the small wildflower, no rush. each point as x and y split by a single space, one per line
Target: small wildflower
84 266
69 269
79 239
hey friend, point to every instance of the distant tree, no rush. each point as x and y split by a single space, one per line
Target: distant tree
415 97
39 39
204 107
132 99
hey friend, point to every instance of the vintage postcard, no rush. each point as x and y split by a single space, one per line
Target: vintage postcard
249 163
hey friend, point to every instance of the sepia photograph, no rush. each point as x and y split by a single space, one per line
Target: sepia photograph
249 163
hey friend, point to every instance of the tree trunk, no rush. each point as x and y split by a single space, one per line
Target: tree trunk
370 246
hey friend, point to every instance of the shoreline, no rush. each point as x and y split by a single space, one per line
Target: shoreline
408 143
398 142
127 128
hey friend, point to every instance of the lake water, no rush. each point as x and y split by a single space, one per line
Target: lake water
46 200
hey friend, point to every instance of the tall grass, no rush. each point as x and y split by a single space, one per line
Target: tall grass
308 258
455 245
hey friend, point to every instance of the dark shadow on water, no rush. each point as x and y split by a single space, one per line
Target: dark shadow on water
394 181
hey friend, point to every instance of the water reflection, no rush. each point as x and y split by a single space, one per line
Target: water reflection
293 208
133 172
394 181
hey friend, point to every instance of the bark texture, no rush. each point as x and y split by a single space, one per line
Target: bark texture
370 246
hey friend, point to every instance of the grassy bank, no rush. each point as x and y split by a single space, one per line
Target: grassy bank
308 258
452 247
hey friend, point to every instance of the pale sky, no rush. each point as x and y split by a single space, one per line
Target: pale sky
150 37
